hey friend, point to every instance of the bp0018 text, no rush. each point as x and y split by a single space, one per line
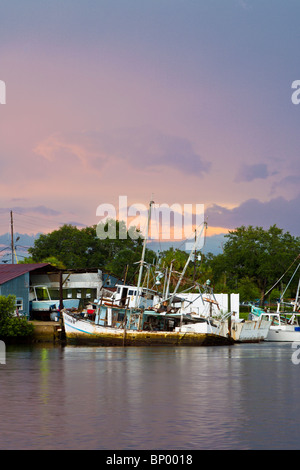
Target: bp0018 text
171 459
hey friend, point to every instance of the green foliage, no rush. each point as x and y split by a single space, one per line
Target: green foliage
7 306
15 326
11 326
247 289
74 248
255 254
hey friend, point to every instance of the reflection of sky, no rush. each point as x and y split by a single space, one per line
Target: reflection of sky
240 397
188 101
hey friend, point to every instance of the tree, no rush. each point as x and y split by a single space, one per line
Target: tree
7 306
258 254
247 289
75 248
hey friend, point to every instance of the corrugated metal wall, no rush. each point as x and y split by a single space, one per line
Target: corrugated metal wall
20 288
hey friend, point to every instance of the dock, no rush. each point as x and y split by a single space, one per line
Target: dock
47 331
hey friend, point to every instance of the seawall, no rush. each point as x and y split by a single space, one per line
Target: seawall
47 332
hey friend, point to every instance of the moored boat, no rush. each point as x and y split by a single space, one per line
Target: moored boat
284 323
114 326
284 327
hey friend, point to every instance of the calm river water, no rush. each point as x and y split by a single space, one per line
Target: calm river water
239 397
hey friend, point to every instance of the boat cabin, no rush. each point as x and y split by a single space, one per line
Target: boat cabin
282 319
125 296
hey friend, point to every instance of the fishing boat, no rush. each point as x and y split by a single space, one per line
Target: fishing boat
284 323
240 330
141 323
224 323
115 326
249 331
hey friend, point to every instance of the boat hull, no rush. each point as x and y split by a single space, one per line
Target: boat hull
250 331
283 336
85 332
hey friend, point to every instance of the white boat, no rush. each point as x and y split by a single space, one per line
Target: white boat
241 331
228 324
284 325
250 331
115 326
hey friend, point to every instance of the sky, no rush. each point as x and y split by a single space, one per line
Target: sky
183 102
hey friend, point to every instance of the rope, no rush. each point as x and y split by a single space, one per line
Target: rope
283 275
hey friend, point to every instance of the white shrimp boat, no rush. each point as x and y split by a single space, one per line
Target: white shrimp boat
115 326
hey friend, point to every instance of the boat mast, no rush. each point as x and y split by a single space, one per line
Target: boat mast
186 264
143 257
297 296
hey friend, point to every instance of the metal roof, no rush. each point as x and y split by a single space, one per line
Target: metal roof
12 271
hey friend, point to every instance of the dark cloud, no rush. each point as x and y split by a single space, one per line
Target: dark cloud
141 148
279 211
149 149
252 172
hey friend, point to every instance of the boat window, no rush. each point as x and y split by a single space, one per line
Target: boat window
121 316
130 292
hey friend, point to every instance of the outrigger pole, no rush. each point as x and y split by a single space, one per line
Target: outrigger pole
143 257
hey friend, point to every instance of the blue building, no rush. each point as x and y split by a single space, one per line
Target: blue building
15 280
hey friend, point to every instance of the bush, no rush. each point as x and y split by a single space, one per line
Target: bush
11 326
15 326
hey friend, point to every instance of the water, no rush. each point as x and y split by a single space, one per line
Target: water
239 397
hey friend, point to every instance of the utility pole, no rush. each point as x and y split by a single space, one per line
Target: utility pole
12 237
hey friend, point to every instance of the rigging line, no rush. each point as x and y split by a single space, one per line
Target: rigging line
282 275
192 234
289 282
